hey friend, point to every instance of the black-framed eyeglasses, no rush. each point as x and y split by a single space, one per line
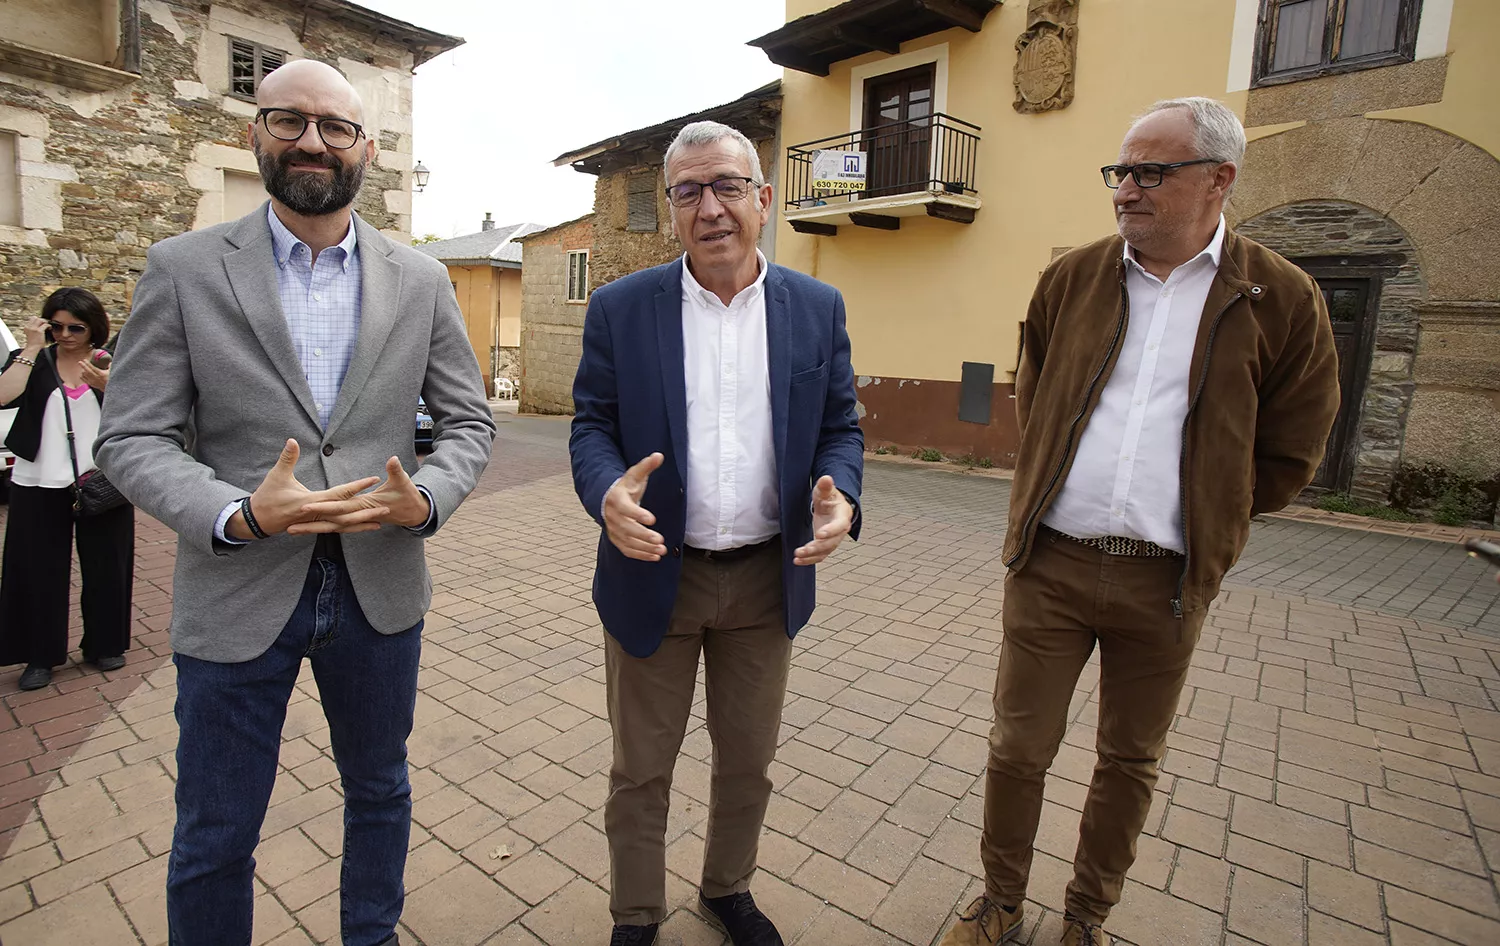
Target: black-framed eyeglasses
288 125
72 328
727 189
1150 174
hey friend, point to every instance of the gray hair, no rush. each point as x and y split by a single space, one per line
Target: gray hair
1218 132
700 134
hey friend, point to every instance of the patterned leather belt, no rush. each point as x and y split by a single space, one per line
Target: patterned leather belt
1119 545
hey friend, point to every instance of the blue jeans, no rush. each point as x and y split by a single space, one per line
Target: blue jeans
230 718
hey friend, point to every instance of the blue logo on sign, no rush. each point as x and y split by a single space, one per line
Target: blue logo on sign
851 163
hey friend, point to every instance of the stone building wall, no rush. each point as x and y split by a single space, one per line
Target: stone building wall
104 175
1355 235
551 327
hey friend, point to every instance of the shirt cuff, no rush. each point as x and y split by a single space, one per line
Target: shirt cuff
431 514
605 500
223 523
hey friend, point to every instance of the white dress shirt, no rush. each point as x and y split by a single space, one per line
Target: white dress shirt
731 458
1126 478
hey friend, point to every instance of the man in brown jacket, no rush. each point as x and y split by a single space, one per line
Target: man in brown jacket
1175 380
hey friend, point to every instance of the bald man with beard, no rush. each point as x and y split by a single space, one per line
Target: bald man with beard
295 343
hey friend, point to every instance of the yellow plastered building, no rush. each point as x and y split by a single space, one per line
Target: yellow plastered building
983 126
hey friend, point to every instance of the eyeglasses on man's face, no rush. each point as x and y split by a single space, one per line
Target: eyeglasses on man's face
288 125
726 189
1150 174
71 328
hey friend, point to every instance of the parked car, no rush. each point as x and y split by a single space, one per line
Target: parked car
424 427
6 416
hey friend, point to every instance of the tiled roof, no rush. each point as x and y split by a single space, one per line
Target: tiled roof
497 245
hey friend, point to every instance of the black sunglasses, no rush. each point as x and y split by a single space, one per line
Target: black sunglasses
1146 175
72 328
288 125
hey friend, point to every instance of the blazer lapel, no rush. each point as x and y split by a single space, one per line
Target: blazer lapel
673 367
778 354
380 294
252 275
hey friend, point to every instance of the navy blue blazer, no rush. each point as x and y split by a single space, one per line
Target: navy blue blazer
630 399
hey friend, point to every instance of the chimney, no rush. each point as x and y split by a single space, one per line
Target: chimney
488 223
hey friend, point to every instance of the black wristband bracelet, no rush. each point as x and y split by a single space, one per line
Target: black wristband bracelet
250 522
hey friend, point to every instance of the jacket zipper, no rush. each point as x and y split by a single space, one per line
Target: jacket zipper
1182 470
1082 410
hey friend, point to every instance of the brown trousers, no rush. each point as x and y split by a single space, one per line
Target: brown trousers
732 613
1068 598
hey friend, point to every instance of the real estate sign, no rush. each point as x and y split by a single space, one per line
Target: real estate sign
838 170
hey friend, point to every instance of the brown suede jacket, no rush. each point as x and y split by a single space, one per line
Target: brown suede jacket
1262 398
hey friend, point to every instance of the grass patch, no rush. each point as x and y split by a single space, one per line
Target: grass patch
929 455
1343 502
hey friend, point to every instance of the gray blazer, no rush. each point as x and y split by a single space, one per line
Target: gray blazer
206 387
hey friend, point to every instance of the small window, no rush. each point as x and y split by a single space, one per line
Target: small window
1303 39
578 276
249 63
641 204
10 184
243 193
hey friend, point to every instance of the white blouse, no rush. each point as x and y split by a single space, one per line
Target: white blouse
52 467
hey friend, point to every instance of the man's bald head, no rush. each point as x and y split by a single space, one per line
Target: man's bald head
312 87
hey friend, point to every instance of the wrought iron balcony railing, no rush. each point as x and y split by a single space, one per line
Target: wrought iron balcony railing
938 153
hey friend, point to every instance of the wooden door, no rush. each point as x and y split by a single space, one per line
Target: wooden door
898 131
1351 304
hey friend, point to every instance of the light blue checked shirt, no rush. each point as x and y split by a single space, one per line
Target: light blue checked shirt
322 301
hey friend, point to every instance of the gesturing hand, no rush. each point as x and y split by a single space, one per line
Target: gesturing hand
36 333
94 376
279 500
396 502
626 521
832 517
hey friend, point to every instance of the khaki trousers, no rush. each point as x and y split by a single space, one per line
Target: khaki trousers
1067 599
732 613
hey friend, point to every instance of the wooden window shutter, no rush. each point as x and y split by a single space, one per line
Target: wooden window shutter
241 67
641 204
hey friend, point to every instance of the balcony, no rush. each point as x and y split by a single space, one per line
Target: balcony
922 167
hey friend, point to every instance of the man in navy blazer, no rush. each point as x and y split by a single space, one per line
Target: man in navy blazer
716 442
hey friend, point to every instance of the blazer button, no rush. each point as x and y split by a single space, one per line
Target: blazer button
327 449
677 551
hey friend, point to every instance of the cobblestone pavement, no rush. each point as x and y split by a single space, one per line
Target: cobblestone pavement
1333 777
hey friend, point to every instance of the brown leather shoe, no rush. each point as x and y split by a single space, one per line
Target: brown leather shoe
984 923
1079 933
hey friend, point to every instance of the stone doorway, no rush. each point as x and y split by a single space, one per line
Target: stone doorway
1368 268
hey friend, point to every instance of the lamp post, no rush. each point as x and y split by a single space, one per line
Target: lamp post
419 175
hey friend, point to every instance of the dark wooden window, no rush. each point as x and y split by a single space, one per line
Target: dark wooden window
898 131
1303 39
248 64
641 203
578 276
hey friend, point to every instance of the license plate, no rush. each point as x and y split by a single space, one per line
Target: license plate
424 425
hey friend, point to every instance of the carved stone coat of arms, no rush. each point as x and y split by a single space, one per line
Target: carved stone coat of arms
1046 55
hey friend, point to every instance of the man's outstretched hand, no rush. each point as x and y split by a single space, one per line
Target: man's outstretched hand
626 521
396 502
832 517
280 501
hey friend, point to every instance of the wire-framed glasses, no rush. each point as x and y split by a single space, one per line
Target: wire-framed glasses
726 189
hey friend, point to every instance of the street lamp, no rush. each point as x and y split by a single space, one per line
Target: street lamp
419 175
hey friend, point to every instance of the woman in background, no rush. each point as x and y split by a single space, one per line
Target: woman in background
39 530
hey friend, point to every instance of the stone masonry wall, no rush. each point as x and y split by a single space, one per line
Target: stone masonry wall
1336 229
551 327
106 175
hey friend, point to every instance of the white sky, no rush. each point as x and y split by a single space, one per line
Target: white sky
538 78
